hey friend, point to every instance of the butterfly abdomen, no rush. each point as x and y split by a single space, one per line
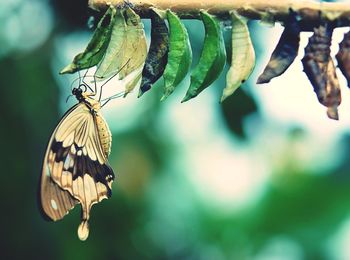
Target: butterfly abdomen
104 134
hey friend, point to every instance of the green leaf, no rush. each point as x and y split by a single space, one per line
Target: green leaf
111 62
212 59
284 53
243 56
158 53
179 57
97 46
135 52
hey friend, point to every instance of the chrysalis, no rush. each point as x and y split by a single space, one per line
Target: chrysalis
97 46
242 56
112 62
320 69
75 168
135 51
343 57
212 59
134 82
158 53
127 48
285 51
179 56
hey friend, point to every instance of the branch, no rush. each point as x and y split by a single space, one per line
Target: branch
266 10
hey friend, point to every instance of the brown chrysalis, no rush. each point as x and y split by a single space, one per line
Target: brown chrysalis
157 57
285 51
320 69
343 57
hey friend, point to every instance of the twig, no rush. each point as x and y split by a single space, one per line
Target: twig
309 11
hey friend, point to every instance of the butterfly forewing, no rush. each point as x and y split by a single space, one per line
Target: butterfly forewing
75 168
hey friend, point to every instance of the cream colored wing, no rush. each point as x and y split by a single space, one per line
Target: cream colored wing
75 168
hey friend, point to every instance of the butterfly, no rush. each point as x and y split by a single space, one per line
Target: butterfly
75 168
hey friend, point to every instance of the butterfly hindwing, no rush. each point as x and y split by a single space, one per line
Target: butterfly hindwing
57 202
75 167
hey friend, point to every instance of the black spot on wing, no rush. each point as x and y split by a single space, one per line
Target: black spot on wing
102 173
60 151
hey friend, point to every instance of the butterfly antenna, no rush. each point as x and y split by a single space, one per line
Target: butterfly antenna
86 84
81 81
68 98
71 85
79 77
88 76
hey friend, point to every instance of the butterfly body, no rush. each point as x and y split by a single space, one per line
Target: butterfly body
103 130
75 168
104 134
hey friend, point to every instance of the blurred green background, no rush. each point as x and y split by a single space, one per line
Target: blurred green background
265 175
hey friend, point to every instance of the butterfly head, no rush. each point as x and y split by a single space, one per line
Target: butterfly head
78 93
86 97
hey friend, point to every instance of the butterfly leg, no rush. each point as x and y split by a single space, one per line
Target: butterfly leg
121 94
99 99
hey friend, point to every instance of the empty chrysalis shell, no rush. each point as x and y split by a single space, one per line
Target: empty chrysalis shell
157 56
127 48
343 57
243 56
285 51
320 69
111 62
135 51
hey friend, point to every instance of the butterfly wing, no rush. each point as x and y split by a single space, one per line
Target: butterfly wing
75 168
